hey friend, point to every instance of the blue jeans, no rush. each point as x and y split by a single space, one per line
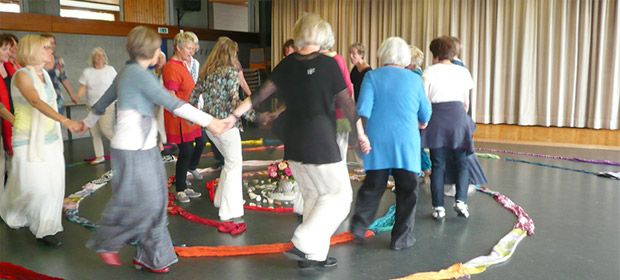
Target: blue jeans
440 158
426 161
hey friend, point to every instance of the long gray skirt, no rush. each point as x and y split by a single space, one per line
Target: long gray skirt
137 210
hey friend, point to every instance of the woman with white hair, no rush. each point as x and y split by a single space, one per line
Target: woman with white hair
393 107
188 137
94 81
311 85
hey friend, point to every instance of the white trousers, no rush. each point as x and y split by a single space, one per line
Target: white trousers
342 139
105 127
327 195
229 194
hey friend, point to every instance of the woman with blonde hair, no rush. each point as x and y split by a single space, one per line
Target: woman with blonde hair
94 81
136 213
311 84
188 137
219 86
36 183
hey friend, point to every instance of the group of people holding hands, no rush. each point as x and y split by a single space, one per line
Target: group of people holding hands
384 109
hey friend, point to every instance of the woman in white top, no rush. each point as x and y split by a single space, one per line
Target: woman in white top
95 80
449 132
36 183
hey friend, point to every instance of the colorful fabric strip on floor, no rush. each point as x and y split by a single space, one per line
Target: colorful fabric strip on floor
576 159
552 166
500 253
71 203
16 272
232 251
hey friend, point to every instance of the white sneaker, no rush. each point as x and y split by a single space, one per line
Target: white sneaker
182 197
461 209
439 212
191 193
196 175
449 190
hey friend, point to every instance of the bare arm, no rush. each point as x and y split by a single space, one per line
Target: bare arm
6 114
69 89
243 84
25 85
81 91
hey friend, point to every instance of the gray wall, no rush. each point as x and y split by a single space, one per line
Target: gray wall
75 49
198 19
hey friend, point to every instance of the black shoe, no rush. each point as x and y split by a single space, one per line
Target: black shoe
300 218
50 240
295 254
328 263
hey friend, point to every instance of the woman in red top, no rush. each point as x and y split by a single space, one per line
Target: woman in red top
8 45
177 79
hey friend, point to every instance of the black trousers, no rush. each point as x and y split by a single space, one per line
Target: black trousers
370 194
189 157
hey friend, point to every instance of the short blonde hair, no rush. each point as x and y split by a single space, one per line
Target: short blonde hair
29 49
223 54
142 42
97 50
417 56
311 29
394 50
185 37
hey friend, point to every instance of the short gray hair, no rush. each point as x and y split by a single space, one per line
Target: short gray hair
311 29
96 51
394 50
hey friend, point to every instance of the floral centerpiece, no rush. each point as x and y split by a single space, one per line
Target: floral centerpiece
281 172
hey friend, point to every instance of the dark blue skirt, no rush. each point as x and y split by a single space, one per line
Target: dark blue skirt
450 127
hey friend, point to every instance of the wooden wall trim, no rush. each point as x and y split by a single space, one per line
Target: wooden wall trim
231 2
548 135
53 24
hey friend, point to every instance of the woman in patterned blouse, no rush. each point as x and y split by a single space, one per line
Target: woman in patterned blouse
218 83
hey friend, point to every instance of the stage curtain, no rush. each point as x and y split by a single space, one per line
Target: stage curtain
535 62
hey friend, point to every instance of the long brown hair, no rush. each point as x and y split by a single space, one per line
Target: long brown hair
224 53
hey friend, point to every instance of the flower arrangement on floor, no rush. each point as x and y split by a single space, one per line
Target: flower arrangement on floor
280 171
278 190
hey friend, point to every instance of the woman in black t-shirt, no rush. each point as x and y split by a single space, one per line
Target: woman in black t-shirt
359 69
310 85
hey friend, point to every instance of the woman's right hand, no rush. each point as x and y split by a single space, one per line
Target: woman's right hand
73 126
364 143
